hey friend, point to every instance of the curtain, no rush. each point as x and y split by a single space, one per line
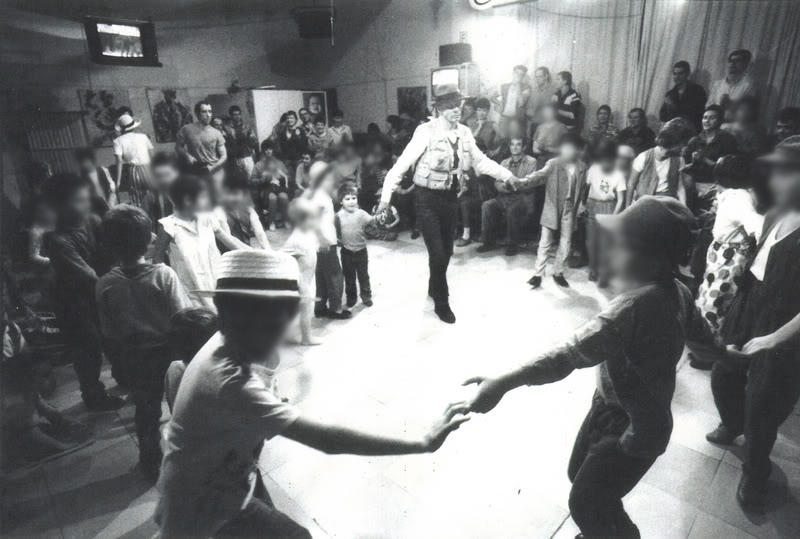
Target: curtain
621 52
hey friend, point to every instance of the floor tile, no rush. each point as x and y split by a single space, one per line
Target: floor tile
693 483
706 527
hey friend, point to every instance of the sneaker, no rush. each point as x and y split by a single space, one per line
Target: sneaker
344 315
512 249
752 492
722 435
445 313
463 242
414 234
272 227
560 280
103 402
593 276
368 302
535 281
486 247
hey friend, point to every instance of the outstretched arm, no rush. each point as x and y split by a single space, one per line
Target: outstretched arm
344 440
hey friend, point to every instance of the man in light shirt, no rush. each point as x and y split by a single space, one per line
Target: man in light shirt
737 83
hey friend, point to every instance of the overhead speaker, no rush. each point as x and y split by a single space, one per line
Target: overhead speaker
454 54
314 22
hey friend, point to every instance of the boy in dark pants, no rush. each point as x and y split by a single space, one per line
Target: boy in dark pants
135 302
637 341
78 258
762 326
351 227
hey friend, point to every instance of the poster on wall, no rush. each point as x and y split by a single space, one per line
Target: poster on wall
412 100
101 108
170 110
316 103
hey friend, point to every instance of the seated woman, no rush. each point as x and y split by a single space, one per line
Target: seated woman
751 137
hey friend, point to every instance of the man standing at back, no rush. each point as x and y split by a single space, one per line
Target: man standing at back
201 147
686 99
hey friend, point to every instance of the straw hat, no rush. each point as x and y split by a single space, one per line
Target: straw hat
126 123
256 273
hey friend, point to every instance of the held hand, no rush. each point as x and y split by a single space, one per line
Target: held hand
190 159
760 345
735 354
490 392
513 183
382 207
452 418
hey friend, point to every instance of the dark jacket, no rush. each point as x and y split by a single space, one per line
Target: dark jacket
690 105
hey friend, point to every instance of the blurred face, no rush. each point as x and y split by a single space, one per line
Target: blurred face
784 182
784 130
569 152
745 114
338 121
549 114
680 75
257 325
306 160
205 114
624 164
736 64
163 176
311 222
350 203
451 112
200 204
561 81
319 128
603 116
711 120
622 260
607 164
44 216
515 147
305 115
86 166
514 129
482 113
541 77
236 117
636 119
467 110
328 183
79 205
516 76
234 199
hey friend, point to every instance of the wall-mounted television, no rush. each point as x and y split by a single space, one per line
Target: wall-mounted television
121 42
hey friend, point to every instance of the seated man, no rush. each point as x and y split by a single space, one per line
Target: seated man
515 206
787 125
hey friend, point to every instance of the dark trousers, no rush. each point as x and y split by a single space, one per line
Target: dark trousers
437 216
329 279
260 518
469 205
602 474
146 368
82 335
755 399
515 208
355 266
597 239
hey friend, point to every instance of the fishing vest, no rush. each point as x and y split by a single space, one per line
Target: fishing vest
436 166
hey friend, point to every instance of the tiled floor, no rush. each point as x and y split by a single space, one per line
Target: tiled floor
392 368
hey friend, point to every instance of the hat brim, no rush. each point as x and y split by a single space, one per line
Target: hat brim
251 293
136 123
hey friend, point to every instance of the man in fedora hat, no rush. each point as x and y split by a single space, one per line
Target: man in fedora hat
225 409
442 151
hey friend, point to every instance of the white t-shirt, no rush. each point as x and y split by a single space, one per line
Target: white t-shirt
223 413
134 148
605 187
662 170
303 246
736 207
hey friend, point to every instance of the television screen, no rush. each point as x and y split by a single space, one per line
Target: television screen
447 75
118 42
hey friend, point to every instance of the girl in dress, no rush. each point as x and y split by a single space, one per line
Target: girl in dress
303 245
133 151
736 226
187 239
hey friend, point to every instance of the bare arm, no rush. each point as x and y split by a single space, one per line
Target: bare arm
258 230
620 201
160 247
229 241
344 440
118 170
413 151
633 183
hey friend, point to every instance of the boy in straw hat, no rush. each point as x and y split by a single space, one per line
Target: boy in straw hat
637 341
225 410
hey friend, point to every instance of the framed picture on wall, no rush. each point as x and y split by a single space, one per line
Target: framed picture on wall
221 104
412 100
101 108
316 103
170 110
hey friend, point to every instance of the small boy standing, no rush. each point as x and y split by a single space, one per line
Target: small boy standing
303 245
78 258
605 195
564 177
135 301
637 341
351 225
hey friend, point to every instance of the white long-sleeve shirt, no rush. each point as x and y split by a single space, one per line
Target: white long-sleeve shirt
419 144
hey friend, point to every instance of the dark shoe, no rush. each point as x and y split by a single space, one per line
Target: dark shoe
602 283
344 315
722 435
414 234
351 303
593 276
368 302
560 280
752 493
486 247
461 242
444 313
512 249
535 281
320 312
699 364
103 402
